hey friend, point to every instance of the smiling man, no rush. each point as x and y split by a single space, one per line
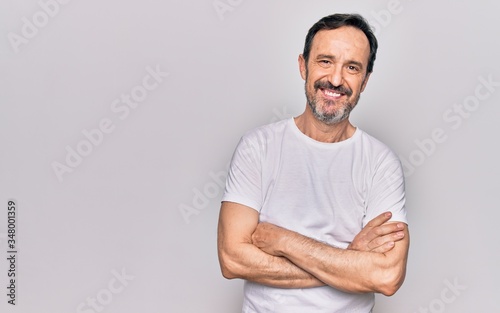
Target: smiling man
313 216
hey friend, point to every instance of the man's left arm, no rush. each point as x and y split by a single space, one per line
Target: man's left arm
344 269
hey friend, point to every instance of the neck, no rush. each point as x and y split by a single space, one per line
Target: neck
320 131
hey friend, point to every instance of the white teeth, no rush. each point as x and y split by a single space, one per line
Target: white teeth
332 94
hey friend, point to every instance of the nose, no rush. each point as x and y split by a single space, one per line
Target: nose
336 76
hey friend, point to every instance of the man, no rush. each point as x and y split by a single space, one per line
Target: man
313 216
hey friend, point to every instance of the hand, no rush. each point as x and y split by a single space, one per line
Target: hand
377 235
267 237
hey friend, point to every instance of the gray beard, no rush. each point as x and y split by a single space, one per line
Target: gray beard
331 118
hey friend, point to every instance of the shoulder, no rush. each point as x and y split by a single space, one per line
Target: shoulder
266 132
259 141
375 149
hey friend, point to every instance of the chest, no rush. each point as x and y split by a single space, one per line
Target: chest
320 193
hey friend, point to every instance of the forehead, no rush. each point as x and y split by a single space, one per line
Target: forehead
344 41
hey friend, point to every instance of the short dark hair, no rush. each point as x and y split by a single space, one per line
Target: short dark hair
335 21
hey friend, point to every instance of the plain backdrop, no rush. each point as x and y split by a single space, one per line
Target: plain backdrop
129 224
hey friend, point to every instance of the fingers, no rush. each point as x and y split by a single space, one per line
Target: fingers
385 243
378 235
388 228
379 220
385 248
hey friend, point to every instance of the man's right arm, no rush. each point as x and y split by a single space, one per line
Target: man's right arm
239 258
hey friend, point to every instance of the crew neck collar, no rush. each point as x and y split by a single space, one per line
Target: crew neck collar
312 141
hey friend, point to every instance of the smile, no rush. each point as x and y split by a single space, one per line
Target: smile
331 94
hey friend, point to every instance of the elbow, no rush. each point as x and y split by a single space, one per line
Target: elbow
227 272
390 282
228 267
389 276
389 290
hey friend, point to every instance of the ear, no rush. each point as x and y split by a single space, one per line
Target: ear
365 82
302 67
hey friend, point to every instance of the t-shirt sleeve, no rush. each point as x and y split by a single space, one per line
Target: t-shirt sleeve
387 192
243 184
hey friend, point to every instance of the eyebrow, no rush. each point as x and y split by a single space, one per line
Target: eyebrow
331 57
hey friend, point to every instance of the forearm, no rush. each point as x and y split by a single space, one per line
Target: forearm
240 258
347 270
250 263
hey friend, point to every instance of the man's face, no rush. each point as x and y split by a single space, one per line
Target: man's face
335 74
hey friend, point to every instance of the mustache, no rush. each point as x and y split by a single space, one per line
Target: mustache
328 85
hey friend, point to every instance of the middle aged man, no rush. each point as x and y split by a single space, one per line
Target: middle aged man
313 216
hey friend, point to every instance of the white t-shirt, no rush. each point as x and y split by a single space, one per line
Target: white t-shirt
325 191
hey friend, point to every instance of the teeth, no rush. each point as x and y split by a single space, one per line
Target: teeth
332 94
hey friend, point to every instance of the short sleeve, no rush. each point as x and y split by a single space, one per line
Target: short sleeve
244 180
387 191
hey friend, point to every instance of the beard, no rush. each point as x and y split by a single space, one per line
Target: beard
339 114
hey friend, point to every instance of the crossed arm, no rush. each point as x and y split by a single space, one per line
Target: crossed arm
262 252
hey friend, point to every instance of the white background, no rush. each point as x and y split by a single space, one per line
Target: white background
118 210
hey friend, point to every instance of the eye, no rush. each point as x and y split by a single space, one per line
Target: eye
325 63
353 68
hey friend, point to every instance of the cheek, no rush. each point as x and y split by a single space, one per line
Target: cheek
310 87
309 83
355 85
316 73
